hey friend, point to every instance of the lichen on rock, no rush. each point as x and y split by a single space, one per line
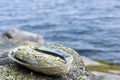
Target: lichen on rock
12 71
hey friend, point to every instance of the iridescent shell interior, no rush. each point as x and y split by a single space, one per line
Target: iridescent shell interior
40 56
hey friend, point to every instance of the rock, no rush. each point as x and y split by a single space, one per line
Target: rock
12 71
106 76
89 62
114 72
5 46
21 35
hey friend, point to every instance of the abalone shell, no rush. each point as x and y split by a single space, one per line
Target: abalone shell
31 56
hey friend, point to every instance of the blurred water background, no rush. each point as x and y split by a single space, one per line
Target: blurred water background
91 27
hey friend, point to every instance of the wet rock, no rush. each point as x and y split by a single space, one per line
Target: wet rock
21 35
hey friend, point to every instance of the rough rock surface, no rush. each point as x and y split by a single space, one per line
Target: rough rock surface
21 35
12 71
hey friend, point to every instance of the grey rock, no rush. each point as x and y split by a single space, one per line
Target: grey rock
13 71
106 76
114 72
5 46
21 35
89 62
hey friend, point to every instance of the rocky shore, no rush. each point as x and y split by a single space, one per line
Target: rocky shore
10 70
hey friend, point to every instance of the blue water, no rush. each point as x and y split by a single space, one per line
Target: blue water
91 27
